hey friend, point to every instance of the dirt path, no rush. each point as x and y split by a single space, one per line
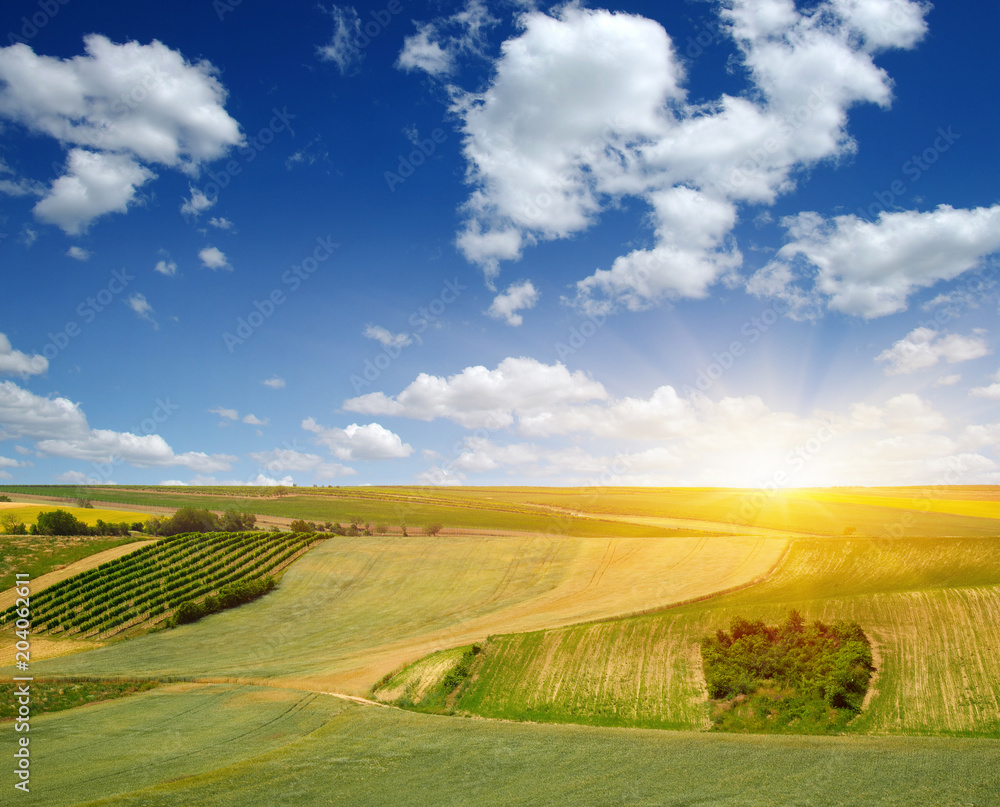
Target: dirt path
8 597
710 527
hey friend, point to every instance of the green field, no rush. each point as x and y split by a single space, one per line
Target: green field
354 609
414 507
230 746
931 606
36 555
142 589
591 656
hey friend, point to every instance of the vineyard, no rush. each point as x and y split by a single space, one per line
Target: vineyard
143 589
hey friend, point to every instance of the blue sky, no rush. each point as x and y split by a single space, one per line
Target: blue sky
695 243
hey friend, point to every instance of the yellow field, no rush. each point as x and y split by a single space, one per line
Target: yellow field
354 609
28 513
916 501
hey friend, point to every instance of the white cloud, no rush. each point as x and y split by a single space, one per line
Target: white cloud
386 337
587 107
18 186
149 450
436 45
282 460
422 52
138 303
274 382
115 108
691 254
904 414
95 183
227 414
24 414
518 296
72 478
440 476
948 380
370 442
166 267
253 420
14 362
197 204
221 223
60 429
991 392
79 253
344 47
478 397
870 269
924 347
213 258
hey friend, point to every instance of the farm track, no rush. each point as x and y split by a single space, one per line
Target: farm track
42 582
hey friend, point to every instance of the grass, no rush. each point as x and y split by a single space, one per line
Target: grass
143 588
354 609
39 554
222 746
800 511
57 695
930 606
28 513
170 733
415 507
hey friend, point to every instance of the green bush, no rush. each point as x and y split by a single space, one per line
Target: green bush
789 677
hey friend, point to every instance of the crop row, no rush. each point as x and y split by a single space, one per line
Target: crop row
153 581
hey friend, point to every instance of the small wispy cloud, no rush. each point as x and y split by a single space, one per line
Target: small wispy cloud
197 204
140 305
387 337
214 258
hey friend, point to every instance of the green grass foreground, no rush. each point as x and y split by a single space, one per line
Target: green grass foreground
57 695
231 746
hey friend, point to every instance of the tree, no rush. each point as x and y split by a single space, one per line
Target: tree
190 519
433 529
59 522
300 525
12 525
236 521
